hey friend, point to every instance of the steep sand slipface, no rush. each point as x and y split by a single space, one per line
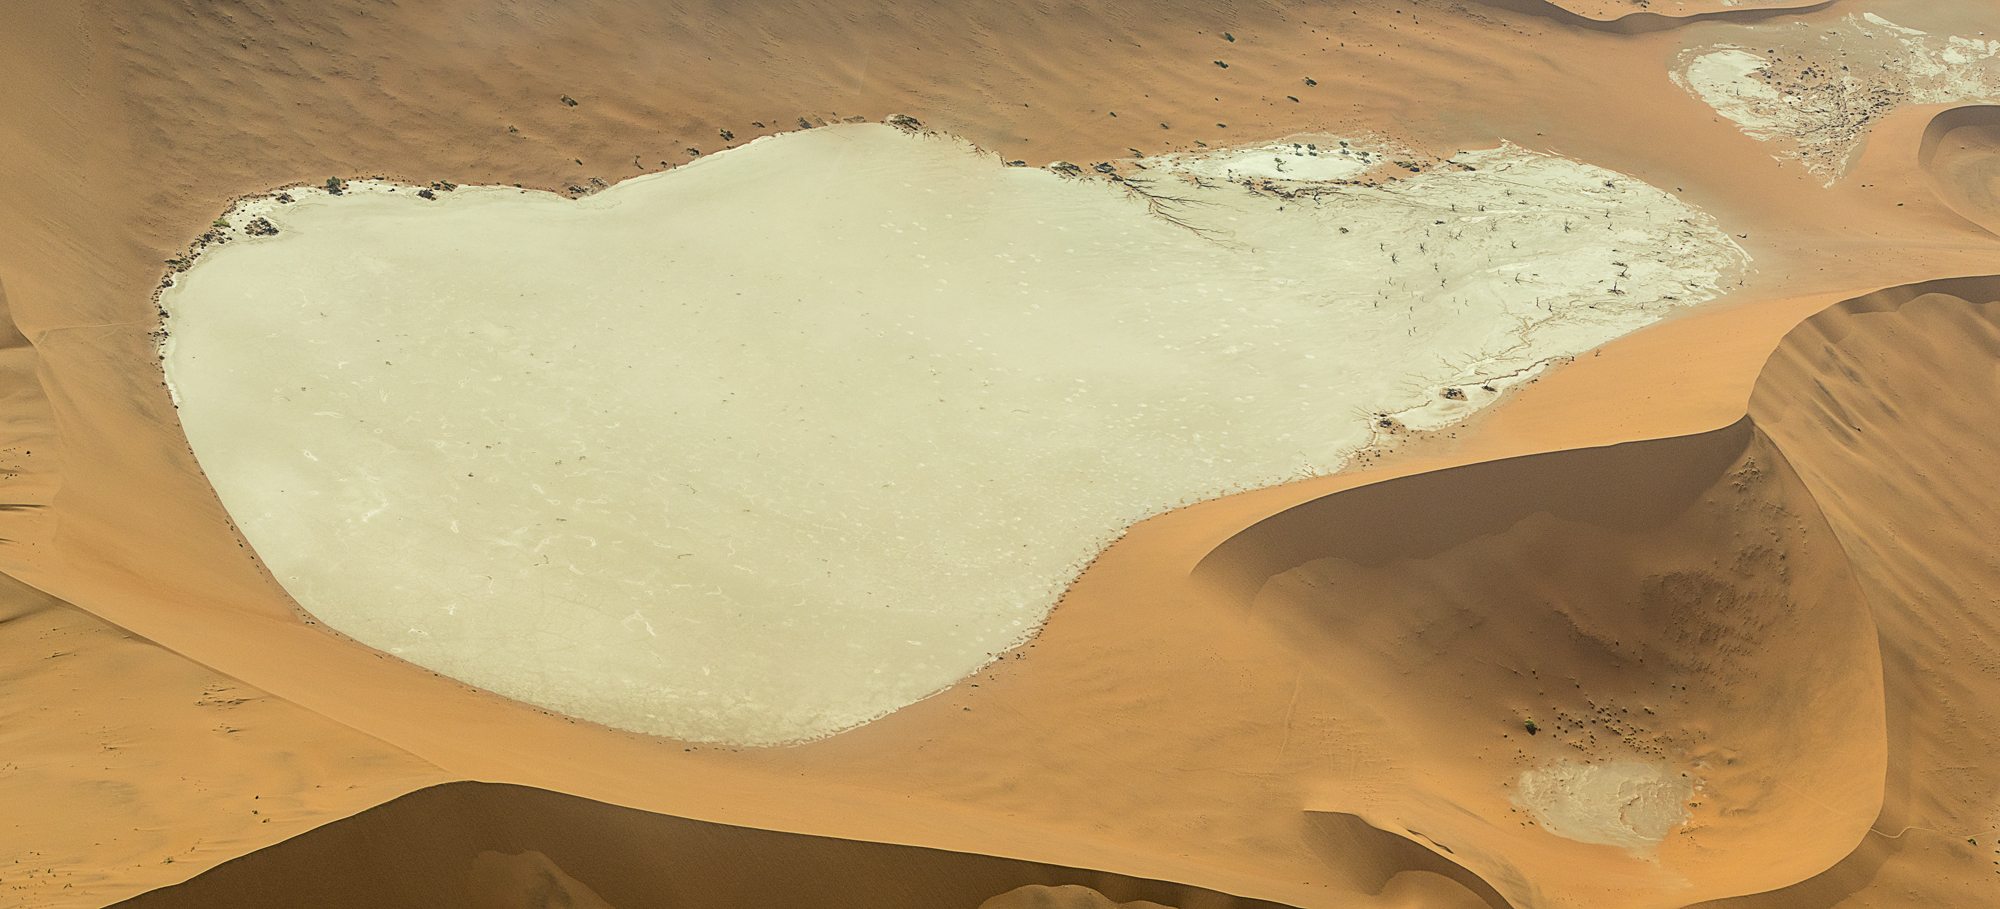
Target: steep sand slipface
1960 153
1618 9
1817 91
484 846
526 880
1068 896
769 446
1885 405
1674 617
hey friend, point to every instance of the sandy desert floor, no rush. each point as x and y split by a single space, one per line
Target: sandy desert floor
1697 616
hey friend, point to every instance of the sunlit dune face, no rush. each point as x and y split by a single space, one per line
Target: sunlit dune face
765 448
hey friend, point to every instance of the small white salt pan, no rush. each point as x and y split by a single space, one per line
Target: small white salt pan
1631 804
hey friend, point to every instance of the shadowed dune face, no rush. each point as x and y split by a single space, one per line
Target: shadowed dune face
1675 620
1067 896
1960 154
1637 17
31 479
486 846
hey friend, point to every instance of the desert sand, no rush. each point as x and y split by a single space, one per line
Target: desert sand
1698 615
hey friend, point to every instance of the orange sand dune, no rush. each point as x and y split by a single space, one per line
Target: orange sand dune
1819 405
483 845
1162 727
1961 155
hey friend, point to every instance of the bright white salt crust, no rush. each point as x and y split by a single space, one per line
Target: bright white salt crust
773 444
1819 89
1300 161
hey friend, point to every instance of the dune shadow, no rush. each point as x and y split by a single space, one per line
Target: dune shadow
460 845
28 443
1376 855
1960 156
1632 487
1643 22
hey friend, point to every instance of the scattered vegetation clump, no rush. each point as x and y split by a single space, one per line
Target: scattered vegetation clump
1531 727
568 101
335 185
904 122
260 227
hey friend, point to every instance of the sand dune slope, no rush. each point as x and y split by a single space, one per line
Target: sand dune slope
1639 16
1961 156
1674 613
1153 723
185 768
1884 406
486 846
